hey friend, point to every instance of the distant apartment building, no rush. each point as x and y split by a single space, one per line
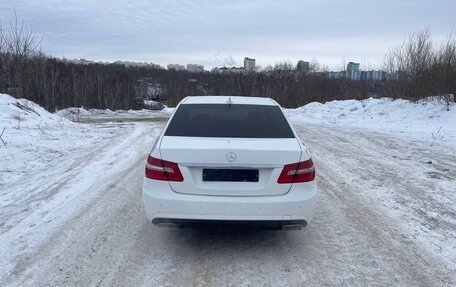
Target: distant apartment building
80 61
176 67
359 75
303 66
373 75
353 75
195 68
219 70
353 72
136 64
249 64
237 70
149 88
228 70
351 66
336 75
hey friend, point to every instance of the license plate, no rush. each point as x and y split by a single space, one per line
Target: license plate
231 175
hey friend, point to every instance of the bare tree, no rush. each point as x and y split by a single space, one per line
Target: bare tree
18 44
419 69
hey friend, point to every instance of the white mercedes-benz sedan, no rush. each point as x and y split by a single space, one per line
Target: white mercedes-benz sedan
229 160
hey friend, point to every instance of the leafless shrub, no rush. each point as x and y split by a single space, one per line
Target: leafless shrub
25 107
439 135
18 118
421 69
1 134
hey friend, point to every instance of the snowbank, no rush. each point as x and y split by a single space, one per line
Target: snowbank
50 170
167 110
153 105
428 120
36 139
22 113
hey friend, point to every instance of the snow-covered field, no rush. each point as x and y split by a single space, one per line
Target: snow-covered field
45 174
71 211
427 121
35 138
82 115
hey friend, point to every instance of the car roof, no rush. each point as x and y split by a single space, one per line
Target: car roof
229 99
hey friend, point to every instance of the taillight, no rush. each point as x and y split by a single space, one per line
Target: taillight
163 170
303 171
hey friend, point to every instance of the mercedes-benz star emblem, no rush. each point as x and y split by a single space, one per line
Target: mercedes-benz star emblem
231 156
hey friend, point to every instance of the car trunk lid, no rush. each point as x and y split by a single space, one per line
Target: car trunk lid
230 166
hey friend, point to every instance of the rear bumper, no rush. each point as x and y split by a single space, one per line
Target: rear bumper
231 224
161 204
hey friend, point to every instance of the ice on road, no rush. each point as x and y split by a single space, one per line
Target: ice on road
385 217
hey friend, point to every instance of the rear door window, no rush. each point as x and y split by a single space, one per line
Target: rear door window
231 121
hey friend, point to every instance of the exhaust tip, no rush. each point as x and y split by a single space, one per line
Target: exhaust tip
167 224
292 227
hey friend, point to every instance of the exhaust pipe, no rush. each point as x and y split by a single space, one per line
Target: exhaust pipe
292 227
167 224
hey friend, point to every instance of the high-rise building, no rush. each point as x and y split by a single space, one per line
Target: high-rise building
249 64
351 66
303 66
176 67
195 68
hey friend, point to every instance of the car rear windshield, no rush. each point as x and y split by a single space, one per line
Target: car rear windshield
230 121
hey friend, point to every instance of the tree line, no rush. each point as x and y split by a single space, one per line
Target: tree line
417 69
422 68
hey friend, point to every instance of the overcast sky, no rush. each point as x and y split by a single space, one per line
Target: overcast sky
212 32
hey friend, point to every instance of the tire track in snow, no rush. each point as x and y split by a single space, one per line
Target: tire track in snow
31 234
350 242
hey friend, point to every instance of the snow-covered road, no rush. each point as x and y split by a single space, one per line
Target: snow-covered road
385 216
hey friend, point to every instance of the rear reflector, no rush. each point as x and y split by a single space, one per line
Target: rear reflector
162 170
303 171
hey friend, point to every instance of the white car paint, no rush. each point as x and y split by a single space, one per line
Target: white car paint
192 198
